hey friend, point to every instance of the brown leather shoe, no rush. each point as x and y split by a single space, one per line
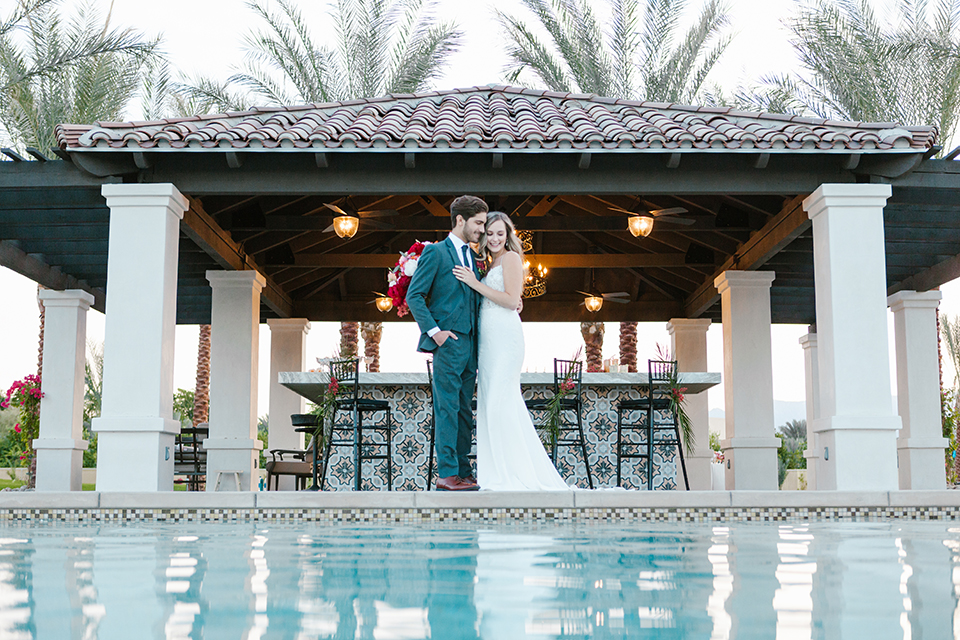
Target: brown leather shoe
469 479
455 483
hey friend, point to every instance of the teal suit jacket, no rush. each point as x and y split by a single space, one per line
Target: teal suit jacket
437 299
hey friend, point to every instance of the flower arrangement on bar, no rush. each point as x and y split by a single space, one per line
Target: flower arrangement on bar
25 394
554 405
399 276
675 393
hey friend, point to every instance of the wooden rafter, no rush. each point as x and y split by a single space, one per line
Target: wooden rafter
217 243
780 231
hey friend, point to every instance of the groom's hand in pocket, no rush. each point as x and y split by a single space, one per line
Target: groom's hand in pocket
442 336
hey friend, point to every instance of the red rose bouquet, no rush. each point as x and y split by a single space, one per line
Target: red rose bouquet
400 275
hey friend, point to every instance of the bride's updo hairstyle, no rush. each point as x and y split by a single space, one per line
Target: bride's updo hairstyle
512 243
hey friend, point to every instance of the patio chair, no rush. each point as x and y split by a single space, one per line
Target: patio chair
570 431
293 462
189 457
371 440
433 428
649 422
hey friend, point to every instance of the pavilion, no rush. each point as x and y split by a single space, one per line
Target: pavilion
221 219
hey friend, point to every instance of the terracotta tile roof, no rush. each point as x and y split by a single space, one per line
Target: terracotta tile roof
496 118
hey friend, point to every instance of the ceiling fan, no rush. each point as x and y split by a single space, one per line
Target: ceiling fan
593 301
346 223
640 223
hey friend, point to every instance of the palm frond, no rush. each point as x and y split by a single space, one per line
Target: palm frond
526 52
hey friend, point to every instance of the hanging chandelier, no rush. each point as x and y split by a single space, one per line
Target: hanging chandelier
535 280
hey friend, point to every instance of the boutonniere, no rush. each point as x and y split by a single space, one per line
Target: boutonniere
481 267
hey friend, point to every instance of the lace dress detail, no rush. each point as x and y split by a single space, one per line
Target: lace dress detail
510 456
494 280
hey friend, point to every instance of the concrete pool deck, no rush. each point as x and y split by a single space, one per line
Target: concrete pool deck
402 507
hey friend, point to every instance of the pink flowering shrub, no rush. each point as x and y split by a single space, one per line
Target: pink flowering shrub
25 395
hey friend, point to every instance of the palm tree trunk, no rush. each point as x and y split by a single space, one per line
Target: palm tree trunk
628 345
43 317
592 333
349 339
201 394
371 332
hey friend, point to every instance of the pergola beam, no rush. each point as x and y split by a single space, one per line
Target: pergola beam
217 243
50 277
780 231
551 261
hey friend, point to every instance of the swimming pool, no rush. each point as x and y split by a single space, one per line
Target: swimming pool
249 580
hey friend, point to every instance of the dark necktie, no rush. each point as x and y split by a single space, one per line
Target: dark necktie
466 262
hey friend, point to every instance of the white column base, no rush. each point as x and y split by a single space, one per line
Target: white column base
59 464
698 468
922 463
854 453
141 456
233 454
749 463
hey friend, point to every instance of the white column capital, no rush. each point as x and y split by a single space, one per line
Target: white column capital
145 195
914 300
698 325
831 196
236 279
289 325
808 341
734 279
69 298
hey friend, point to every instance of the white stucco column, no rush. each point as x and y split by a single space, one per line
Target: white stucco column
288 352
61 445
750 450
857 427
234 360
688 344
136 428
811 370
921 443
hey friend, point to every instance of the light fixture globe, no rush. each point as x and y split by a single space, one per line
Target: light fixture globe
593 303
346 226
640 225
384 303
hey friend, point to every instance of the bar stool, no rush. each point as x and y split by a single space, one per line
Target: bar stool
651 427
433 427
353 432
570 432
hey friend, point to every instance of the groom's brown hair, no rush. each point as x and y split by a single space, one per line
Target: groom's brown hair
466 207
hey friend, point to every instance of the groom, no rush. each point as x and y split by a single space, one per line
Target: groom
446 311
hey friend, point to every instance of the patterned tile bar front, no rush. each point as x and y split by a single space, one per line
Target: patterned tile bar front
409 397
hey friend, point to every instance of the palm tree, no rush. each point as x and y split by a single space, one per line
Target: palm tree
79 71
382 46
856 68
639 54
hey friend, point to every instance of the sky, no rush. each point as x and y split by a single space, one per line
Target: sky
205 37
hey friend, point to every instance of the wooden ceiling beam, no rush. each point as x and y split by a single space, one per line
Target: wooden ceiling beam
551 261
779 231
543 309
434 206
217 243
543 206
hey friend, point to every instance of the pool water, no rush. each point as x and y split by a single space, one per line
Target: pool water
301 581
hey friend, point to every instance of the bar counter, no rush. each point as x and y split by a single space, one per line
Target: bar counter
409 396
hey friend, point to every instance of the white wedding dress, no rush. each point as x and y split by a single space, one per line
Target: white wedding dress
510 456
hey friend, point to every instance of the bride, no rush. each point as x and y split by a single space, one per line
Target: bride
510 456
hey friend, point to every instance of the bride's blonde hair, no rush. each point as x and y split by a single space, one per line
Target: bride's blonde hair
512 243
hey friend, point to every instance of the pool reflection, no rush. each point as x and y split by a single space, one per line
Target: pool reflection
306 581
